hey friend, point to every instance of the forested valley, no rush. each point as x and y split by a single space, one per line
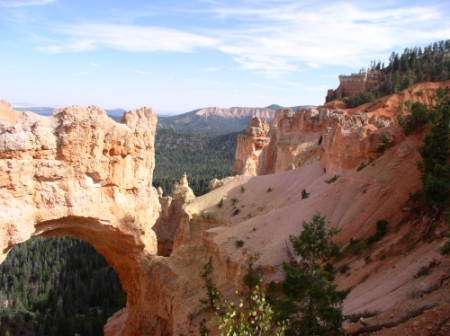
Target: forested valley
62 286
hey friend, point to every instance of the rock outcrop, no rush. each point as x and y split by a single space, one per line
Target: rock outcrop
80 174
250 146
172 210
341 138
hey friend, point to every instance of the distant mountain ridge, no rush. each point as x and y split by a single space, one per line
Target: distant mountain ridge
216 120
208 120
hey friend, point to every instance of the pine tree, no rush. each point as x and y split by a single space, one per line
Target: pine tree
312 303
434 167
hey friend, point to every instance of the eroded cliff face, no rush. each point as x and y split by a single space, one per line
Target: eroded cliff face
341 138
80 174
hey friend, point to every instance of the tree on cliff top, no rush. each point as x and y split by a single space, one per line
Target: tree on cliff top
311 302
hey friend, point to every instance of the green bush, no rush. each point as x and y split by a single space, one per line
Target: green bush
381 232
239 243
333 179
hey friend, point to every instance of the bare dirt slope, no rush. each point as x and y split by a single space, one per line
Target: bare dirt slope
263 211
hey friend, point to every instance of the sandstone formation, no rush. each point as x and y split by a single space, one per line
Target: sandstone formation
80 174
250 146
351 85
172 208
341 138
216 183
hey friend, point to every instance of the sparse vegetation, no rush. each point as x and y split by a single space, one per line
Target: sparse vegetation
220 204
445 250
239 243
242 189
236 211
381 232
364 165
333 179
304 194
384 141
425 270
213 295
234 201
344 268
269 190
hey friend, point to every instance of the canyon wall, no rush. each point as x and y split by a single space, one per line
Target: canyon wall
340 138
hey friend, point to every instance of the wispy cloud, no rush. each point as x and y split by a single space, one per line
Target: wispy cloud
94 64
278 38
210 69
15 3
273 37
131 38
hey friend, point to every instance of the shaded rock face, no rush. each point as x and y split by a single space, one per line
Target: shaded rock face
172 210
78 173
340 138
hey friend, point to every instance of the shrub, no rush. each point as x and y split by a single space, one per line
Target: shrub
269 190
344 268
304 194
333 179
445 250
425 270
234 201
242 189
235 212
239 243
220 203
381 232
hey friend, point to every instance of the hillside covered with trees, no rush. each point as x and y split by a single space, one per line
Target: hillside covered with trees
414 65
201 157
57 286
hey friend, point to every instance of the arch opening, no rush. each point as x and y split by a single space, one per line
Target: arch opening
57 286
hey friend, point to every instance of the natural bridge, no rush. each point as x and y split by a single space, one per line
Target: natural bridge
80 174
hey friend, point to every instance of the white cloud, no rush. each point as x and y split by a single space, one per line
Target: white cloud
274 38
94 64
15 3
131 38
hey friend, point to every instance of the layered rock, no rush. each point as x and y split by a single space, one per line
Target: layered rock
342 139
78 173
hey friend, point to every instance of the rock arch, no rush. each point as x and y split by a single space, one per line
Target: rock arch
80 174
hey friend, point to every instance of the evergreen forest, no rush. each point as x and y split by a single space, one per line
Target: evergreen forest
201 157
414 65
57 286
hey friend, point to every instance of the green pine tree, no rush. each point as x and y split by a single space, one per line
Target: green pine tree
434 167
311 302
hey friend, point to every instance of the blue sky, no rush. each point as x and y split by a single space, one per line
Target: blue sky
180 55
